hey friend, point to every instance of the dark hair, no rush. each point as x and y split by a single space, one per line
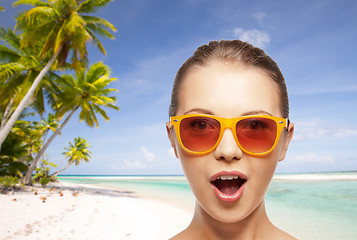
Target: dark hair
235 52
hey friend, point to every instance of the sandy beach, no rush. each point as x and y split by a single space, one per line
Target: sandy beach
70 211
67 210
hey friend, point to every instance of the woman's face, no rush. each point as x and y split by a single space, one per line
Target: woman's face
228 91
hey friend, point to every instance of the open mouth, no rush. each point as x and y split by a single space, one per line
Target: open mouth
228 187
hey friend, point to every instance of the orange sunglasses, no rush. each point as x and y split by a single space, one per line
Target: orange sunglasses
256 135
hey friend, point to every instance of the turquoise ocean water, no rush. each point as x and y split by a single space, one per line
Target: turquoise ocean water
307 209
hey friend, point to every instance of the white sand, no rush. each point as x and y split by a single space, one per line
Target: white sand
99 213
95 213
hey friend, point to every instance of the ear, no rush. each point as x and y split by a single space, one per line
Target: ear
171 137
286 143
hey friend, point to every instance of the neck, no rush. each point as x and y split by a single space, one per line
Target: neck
254 226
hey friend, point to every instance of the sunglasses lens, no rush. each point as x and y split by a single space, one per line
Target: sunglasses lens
256 135
199 134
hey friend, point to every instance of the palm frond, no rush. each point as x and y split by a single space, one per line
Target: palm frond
60 38
113 107
101 112
97 43
91 117
85 114
99 22
49 42
30 2
10 38
91 6
75 23
8 70
101 81
8 55
37 15
11 87
102 85
96 71
99 30
38 103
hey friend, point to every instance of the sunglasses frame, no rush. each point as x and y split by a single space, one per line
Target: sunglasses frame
231 124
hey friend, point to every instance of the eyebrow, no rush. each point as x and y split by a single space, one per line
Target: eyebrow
208 112
199 110
257 112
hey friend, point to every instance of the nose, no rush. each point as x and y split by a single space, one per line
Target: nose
228 149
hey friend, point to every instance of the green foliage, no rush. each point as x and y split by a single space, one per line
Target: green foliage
42 175
9 182
10 167
14 153
48 26
78 151
18 69
64 27
89 92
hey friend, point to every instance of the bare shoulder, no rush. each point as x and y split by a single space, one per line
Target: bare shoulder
281 235
181 236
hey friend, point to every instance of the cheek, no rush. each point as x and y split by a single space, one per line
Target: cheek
192 166
195 169
261 173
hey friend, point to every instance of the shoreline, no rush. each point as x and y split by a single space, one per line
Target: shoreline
279 176
316 176
83 211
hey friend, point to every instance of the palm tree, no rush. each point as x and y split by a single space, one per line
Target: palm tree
48 124
18 69
76 153
88 92
61 28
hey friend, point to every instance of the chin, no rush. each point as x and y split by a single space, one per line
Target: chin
228 215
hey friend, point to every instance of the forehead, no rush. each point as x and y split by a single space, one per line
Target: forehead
229 91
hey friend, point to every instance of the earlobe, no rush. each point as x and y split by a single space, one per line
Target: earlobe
287 140
169 135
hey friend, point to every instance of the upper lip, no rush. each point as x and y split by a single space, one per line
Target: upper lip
227 175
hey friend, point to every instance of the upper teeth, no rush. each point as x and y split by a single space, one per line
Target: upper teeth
228 177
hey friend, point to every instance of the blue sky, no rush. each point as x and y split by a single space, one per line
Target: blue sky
314 43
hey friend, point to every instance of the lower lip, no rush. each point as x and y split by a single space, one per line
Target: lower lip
228 198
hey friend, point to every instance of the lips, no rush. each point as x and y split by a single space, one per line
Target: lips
228 185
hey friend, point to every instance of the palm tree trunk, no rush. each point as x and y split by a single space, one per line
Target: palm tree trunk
7 114
32 167
5 131
55 174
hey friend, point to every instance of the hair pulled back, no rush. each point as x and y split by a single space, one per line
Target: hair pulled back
233 52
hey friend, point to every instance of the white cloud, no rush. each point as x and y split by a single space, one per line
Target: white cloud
259 16
149 156
257 38
126 164
316 129
312 158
